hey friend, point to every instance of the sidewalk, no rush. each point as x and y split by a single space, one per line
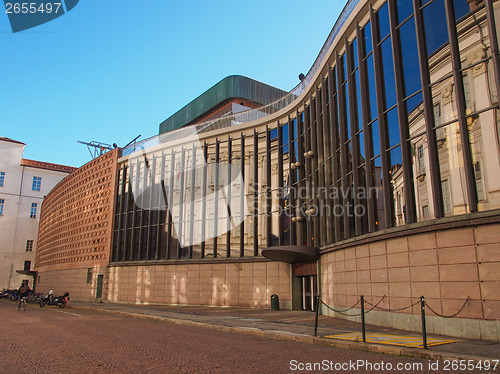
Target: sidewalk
298 326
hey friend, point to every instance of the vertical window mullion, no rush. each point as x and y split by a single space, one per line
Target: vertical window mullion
308 171
382 121
327 151
255 194
434 167
242 197
216 196
301 175
316 169
354 129
161 199
334 147
404 130
119 248
228 197
280 183
493 43
191 210
367 133
461 106
170 208
268 188
291 180
150 210
344 149
180 227
204 200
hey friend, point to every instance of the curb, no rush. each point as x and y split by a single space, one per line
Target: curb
358 346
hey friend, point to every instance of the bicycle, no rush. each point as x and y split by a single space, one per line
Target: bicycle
22 304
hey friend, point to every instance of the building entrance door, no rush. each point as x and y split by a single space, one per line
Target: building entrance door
309 291
306 273
100 279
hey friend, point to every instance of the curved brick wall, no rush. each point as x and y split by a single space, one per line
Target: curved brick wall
76 218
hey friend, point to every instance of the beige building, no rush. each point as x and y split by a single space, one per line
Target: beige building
23 186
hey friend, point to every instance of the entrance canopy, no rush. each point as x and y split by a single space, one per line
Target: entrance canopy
291 253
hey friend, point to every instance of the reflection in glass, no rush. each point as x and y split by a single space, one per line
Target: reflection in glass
404 9
398 187
388 69
393 127
367 38
409 54
371 87
436 33
383 21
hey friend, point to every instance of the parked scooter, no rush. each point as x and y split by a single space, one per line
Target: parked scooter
51 299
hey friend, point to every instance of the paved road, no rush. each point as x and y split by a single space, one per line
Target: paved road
53 340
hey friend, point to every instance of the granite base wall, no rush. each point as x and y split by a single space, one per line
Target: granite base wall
73 281
445 267
246 284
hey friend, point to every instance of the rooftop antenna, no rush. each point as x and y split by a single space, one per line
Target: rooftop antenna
97 149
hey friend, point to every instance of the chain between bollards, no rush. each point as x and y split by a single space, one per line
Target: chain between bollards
317 316
424 329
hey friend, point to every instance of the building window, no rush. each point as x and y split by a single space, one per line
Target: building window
425 211
479 181
420 155
27 265
2 202
468 94
2 178
37 183
29 245
437 114
446 196
33 210
89 275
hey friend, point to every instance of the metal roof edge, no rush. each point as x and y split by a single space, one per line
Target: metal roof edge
232 86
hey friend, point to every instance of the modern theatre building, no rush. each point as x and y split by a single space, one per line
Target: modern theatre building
378 175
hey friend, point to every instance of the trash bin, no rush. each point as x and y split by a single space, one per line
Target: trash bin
275 302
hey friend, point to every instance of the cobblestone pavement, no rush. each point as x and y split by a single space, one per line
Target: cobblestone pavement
53 340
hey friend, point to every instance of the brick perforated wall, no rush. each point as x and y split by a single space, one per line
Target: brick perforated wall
76 218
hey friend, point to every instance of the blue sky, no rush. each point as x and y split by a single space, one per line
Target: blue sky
110 70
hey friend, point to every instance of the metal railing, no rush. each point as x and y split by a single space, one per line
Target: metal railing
362 313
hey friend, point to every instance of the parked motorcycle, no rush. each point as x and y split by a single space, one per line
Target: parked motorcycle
51 299
4 294
14 295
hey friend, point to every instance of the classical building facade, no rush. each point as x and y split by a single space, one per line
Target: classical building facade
23 185
378 175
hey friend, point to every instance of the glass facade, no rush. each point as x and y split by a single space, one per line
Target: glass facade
398 128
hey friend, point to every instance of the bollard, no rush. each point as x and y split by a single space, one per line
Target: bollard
424 330
317 316
275 302
363 328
